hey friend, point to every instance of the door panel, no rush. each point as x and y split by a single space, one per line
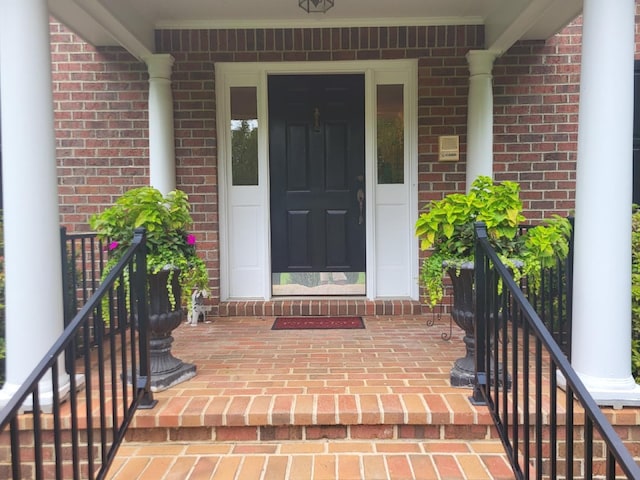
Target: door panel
337 239
297 172
336 167
316 154
298 230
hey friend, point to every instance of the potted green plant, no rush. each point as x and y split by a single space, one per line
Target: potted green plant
173 266
446 227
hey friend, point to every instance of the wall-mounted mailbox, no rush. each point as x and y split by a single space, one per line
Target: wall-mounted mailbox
449 148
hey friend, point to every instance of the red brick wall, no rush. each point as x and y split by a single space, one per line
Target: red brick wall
100 97
100 101
101 111
442 106
536 94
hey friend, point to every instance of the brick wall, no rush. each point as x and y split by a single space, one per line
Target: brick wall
100 101
536 93
442 106
101 111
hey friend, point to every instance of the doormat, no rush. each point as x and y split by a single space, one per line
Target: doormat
317 323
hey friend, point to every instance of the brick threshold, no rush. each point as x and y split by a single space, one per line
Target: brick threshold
323 306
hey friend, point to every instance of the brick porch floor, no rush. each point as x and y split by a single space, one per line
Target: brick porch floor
323 404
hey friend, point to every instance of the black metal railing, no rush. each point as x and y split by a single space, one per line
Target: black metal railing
70 415
547 432
83 260
552 301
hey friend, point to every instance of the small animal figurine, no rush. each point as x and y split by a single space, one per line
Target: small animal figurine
198 308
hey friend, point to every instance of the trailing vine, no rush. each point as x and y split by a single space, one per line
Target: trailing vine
446 228
170 245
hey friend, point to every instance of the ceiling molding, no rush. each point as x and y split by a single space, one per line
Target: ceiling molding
83 24
316 23
507 26
132 23
136 35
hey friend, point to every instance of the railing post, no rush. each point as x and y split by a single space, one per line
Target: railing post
479 390
142 311
66 295
569 290
66 304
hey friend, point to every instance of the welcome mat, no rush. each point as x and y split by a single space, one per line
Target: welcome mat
317 323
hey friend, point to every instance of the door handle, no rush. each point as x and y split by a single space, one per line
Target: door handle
360 197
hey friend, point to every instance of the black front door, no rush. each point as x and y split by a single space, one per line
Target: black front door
317 177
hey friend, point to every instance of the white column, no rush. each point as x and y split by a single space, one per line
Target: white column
601 345
34 312
480 115
162 163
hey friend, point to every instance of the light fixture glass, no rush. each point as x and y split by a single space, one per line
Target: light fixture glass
315 6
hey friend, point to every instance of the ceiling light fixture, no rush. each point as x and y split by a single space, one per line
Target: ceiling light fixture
315 6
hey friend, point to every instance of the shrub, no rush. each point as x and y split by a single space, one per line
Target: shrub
635 293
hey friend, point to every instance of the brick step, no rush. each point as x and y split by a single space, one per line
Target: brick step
269 433
313 459
452 406
312 416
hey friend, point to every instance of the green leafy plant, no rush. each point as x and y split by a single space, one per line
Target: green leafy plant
446 227
167 220
635 292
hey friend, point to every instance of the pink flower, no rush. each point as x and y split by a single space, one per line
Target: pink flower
113 245
191 239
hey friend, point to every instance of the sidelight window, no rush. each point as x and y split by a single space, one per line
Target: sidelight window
244 136
390 134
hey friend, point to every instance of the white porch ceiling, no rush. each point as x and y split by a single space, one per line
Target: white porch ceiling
131 23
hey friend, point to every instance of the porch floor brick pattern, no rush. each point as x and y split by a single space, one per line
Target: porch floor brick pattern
370 403
314 404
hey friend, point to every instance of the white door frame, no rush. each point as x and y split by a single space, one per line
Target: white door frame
252 279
